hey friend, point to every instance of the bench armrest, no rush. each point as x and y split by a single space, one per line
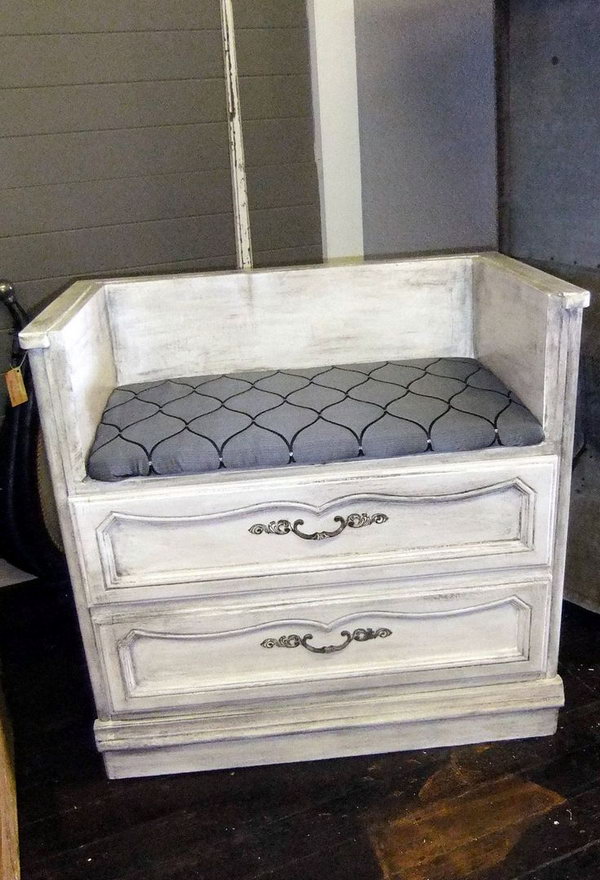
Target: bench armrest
72 362
526 329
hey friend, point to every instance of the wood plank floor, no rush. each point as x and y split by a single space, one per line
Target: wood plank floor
499 811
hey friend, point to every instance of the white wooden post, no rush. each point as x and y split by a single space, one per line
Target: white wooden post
335 111
241 212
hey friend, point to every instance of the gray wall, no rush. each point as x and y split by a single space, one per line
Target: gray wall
551 209
113 147
551 111
552 107
426 93
273 62
113 144
113 155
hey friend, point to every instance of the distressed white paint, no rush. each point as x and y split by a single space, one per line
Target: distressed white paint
467 570
241 210
173 657
310 729
335 112
161 547
299 317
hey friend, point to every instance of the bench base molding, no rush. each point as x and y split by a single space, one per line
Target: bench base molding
336 726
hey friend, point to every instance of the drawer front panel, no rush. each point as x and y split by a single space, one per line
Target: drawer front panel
182 657
493 516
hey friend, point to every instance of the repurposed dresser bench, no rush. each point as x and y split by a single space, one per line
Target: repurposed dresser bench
317 511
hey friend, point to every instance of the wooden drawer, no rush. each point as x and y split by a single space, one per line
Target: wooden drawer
173 657
248 535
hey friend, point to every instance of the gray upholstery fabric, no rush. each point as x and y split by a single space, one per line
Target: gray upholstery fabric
321 414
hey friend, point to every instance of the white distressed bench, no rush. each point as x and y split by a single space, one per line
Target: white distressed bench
303 567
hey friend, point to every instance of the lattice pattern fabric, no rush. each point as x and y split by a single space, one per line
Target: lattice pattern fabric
315 415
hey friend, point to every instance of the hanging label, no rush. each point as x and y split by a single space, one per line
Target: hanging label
17 393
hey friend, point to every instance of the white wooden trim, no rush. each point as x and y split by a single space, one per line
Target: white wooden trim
241 211
339 725
335 112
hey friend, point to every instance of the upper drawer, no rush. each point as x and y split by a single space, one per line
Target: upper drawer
226 537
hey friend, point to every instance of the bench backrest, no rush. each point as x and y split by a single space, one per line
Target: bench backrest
300 317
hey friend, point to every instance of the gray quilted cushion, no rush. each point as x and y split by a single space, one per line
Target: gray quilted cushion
321 414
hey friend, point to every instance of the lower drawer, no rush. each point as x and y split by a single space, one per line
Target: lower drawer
173 657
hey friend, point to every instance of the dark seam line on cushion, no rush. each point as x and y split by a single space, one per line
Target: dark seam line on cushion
188 426
283 373
166 382
319 413
386 412
252 384
494 423
126 428
123 402
346 395
135 421
224 405
457 394
125 440
212 442
431 424
191 430
229 439
469 412
508 405
176 434
253 421
449 403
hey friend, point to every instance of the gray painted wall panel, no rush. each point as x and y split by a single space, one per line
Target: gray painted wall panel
278 141
92 155
55 59
110 106
275 97
553 139
276 186
278 228
276 109
73 16
38 293
269 13
272 51
27 210
426 95
113 149
113 154
113 248
310 254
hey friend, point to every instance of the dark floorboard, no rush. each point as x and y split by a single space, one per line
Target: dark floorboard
498 811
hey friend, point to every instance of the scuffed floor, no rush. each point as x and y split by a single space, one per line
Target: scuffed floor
500 811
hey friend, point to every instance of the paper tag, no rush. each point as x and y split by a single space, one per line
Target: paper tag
17 392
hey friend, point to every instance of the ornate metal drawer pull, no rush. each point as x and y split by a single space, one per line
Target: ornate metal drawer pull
284 526
358 635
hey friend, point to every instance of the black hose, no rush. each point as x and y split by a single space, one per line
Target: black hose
24 538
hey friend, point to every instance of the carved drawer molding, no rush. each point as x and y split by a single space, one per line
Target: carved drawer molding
351 530
162 659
